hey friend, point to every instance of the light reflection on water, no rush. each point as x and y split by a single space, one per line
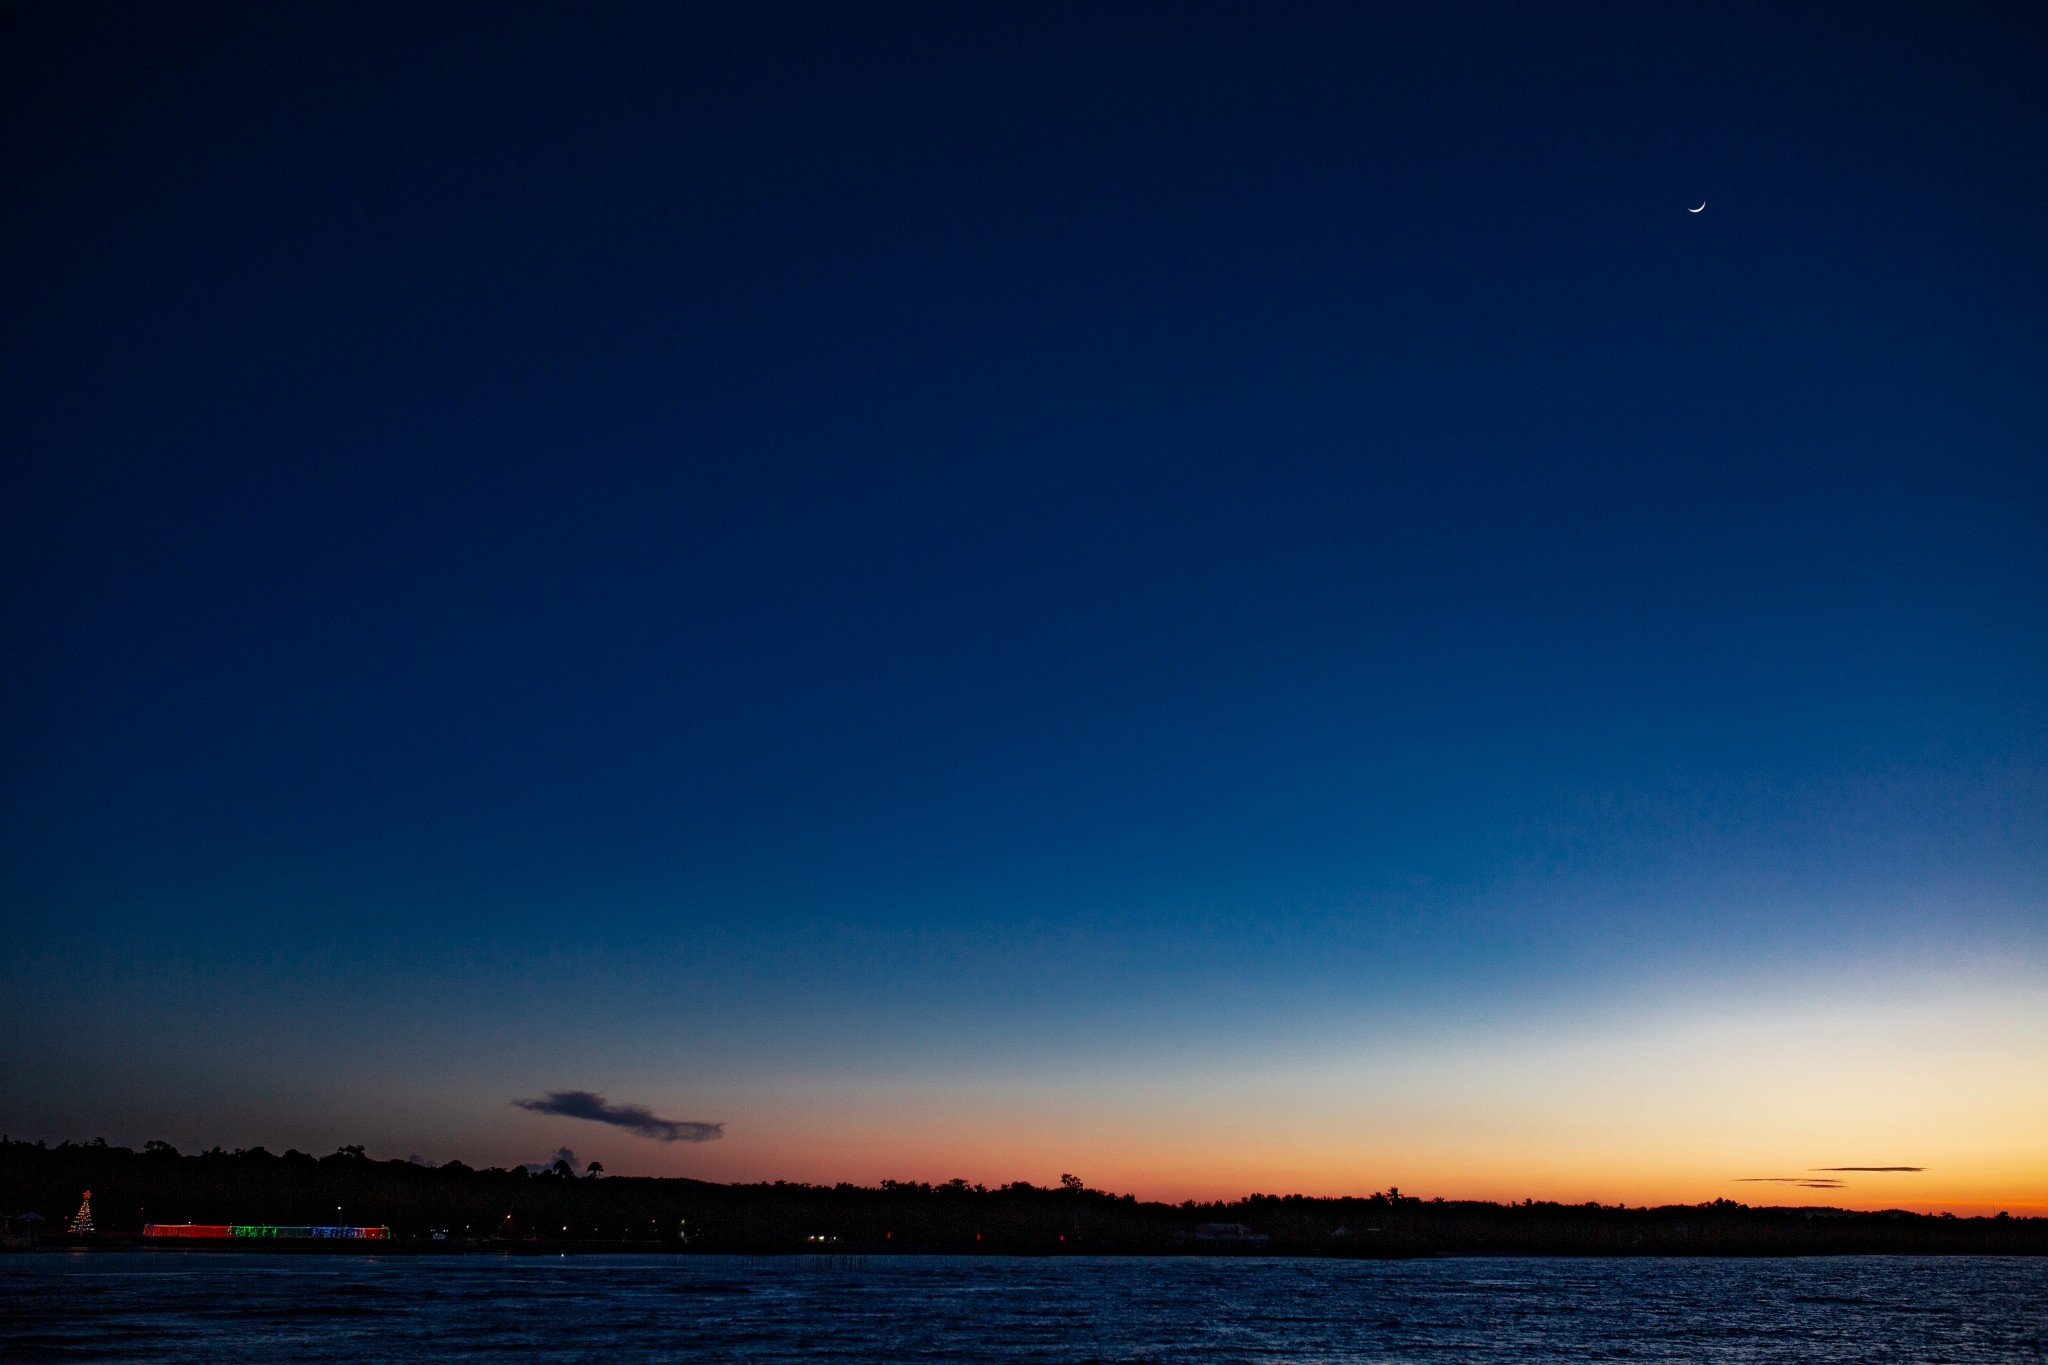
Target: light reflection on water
231 1308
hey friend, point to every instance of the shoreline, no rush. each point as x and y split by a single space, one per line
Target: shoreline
541 1249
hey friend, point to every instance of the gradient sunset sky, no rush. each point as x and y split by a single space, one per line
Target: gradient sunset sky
1220 597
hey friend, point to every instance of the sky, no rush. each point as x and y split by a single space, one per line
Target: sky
1220 597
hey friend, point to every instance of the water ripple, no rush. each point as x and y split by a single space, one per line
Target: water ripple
114 1306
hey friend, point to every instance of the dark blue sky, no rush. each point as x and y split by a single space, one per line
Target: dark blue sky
914 523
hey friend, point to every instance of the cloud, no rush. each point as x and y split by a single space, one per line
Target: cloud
561 1154
1804 1182
583 1104
1870 1168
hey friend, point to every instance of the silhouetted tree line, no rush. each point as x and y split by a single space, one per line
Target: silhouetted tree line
557 1209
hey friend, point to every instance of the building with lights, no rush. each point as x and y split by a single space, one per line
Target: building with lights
295 1232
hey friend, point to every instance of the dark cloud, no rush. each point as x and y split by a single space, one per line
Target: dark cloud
1870 1168
583 1104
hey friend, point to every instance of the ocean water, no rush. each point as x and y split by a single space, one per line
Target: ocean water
145 1306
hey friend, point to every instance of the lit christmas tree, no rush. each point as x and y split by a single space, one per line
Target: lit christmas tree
82 1220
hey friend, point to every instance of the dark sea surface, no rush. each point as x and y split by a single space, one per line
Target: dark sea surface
148 1306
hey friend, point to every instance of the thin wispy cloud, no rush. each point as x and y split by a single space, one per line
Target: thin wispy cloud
634 1118
1869 1168
1822 1177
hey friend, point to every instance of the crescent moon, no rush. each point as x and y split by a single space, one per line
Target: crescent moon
1703 204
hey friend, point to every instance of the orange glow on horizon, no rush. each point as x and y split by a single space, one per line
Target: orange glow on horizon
1745 1104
